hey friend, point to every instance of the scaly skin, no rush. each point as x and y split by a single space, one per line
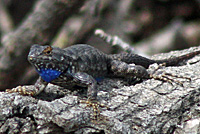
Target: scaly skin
80 65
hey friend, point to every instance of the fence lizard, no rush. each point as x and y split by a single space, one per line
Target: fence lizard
80 65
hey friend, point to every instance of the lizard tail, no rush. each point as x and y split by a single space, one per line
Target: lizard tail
175 60
145 62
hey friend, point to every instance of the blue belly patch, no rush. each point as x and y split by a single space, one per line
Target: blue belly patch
48 74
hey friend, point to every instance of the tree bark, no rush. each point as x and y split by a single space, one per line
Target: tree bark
151 106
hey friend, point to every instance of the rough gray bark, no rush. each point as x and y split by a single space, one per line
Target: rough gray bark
151 106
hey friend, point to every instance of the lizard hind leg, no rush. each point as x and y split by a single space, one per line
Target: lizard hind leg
120 68
123 69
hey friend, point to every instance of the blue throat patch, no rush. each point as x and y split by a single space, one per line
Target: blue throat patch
48 74
99 79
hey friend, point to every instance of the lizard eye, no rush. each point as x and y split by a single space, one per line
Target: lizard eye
48 50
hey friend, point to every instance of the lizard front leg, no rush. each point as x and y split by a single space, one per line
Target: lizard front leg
31 90
85 80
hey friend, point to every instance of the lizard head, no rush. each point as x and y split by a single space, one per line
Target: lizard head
48 61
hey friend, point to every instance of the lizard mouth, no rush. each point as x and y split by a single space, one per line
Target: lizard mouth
32 59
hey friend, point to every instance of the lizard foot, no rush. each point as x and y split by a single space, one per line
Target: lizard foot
95 106
23 90
167 77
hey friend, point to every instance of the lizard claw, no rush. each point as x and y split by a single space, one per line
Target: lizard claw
23 90
168 77
95 106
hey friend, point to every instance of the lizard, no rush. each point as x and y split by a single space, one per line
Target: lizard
81 64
